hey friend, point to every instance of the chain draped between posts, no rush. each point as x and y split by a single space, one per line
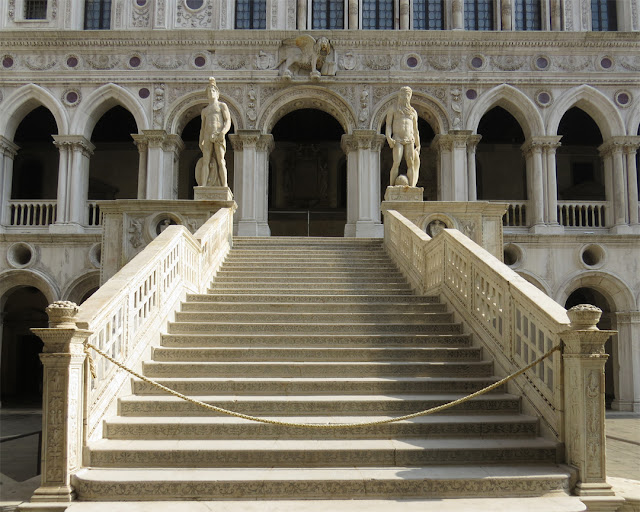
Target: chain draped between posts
314 425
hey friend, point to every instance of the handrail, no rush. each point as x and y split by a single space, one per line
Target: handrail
127 313
515 320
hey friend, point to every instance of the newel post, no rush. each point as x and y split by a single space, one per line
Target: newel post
62 402
584 358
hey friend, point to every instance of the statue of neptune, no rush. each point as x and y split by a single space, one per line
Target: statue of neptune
403 137
216 122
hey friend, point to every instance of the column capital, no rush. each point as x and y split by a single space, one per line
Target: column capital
8 147
532 145
362 139
455 139
74 143
140 141
613 145
628 317
154 138
246 138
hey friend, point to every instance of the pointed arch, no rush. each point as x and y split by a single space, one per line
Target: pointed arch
428 108
24 100
187 107
593 102
611 286
106 97
513 101
313 97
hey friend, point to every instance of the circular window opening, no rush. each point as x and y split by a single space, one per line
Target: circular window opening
7 62
134 61
72 62
164 223
412 62
592 255
512 254
477 62
472 94
195 4
200 61
20 255
141 3
542 62
435 227
95 255
606 63
144 93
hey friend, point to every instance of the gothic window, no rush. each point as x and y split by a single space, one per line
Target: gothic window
427 15
97 14
528 15
328 14
478 14
35 9
251 14
604 15
377 14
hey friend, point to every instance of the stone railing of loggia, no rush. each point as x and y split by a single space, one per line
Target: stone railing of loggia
516 323
123 318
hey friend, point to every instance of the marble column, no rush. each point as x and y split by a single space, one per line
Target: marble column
556 15
631 147
506 14
532 150
302 15
583 360
162 168
550 146
628 389
457 15
453 173
8 152
143 147
616 183
353 15
362 148
251 181
73 183
404 14
63 360
472 185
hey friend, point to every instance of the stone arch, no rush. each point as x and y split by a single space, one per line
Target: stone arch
106 97
427 107
20 277
593 102
23 101
187 107
633 121
312 97
535 280
513 101
612 287
80 286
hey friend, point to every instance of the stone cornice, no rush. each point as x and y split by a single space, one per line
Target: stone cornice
8 147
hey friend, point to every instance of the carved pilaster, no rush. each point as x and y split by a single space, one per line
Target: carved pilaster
62 402
584 359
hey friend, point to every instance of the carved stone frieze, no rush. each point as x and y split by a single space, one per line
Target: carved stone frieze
572 63
232 62
252 113
40 62
265 60
508 62
200 18
631 63
102 62
167 62
443 62
378 62
349 61
140 17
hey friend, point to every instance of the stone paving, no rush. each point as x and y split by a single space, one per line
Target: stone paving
18 461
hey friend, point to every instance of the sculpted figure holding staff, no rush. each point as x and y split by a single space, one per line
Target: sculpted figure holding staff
216 122
403 137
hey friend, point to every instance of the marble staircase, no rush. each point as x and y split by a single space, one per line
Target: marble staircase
318 331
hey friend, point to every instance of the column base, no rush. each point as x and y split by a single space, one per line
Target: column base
594 489
52 496
368 229
625 406
403 193
69 228
212 194
252 228
349 230
602 503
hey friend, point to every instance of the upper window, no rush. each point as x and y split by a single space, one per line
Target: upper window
251 14
427 15
328 14
478 14
97 14
528 15
604 15
35 9
377 14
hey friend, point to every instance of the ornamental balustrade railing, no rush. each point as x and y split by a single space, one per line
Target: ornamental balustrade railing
40 214
123 318
577 214
516 214
516 323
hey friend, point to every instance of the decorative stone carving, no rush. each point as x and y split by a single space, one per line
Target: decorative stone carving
200 18
443 62
348 61
573 63
158 106
103 62
364 107
631 63
378 62
40 62
403 137
252 114
264 60
166 62
305 52
211 169
456 107
232 62
62 314
508 62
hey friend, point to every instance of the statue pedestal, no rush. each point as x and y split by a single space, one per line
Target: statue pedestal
212 194
403 193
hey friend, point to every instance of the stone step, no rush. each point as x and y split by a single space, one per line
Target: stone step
303 266
285 293
318 354
305 297
308 272
293 278
307 240
334 287
315 386
291 307
294 453
237 428
316 340
318 317
367 257
312 328
324 405
335 483
316 369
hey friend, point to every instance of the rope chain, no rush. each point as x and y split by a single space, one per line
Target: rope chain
320 425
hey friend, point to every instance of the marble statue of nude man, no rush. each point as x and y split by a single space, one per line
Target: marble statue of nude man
403 137
216 122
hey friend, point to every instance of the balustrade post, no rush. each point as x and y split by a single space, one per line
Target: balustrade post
8 152
63 398
584 359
